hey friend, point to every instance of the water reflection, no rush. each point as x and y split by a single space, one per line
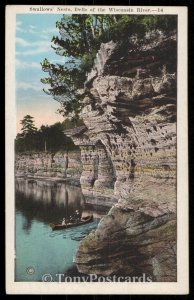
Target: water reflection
50 202
38 203
46 201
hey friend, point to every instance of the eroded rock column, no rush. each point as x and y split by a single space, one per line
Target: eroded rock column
106 175
89 160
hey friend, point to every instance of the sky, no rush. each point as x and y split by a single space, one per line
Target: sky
33 43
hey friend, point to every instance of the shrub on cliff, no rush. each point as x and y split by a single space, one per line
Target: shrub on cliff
79 41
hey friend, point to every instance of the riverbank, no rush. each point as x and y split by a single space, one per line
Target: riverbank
62 167
69 181
59 165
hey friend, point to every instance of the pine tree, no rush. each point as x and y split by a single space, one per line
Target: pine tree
28 127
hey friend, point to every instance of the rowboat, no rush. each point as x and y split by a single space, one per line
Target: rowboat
83 220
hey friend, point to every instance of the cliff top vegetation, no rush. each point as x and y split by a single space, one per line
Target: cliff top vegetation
80 37
46 138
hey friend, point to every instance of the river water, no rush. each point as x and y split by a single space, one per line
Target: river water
39 250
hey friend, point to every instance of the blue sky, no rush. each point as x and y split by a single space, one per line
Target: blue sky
33 43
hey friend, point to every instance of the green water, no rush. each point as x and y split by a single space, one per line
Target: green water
38 247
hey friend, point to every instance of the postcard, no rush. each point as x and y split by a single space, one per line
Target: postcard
96 150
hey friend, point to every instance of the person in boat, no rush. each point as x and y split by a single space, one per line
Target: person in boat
64 221
75 218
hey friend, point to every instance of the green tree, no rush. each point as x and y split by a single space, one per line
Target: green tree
47 138
53 137
28 138
28 125
79 40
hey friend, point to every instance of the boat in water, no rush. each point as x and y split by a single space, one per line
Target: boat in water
83 220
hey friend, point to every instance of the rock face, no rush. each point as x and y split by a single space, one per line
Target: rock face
128 152
56 165
131 243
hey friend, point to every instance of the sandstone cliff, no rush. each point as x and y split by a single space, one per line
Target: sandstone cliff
58 165
128 150
127 160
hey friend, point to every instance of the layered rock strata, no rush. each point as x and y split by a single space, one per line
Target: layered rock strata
56 165
128 149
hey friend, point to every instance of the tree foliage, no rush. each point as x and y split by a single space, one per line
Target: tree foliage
50 138
28 127
80 39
